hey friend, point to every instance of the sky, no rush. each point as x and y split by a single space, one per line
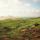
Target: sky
20 8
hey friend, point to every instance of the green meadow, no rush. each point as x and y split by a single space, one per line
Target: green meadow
12 27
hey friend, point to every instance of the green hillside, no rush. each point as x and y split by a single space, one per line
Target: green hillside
12 27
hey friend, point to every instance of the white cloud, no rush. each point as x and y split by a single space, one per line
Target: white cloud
3 7
3 4
27 4
17 8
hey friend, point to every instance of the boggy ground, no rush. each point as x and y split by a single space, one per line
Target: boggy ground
30 34
25 34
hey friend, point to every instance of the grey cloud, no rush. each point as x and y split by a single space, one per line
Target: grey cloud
36 1
26 1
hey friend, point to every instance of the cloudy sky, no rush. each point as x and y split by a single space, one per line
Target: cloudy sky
20 8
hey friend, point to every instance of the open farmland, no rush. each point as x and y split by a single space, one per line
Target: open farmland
20 29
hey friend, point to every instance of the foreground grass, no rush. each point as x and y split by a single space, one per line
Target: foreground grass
13 28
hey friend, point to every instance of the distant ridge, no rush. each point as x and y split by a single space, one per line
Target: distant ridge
7 17
12 17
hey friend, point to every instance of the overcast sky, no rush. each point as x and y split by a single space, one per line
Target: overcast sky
20 8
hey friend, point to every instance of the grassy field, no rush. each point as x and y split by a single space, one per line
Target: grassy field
12 28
